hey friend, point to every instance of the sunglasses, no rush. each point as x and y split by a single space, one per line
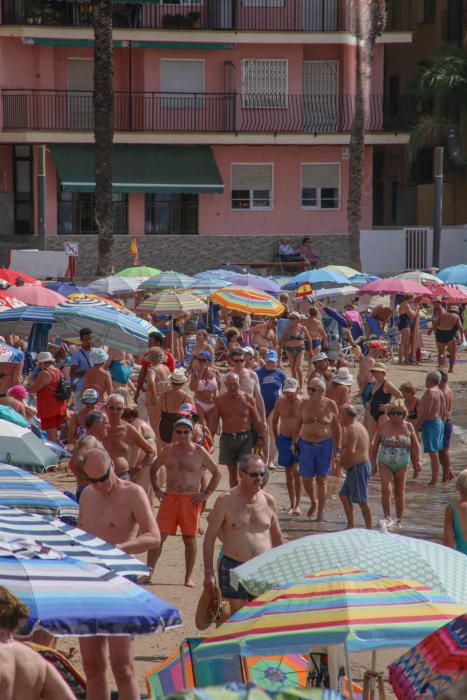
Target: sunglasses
255 475
312 389
202 359
114 408
183 432
396 413
100 479
239 360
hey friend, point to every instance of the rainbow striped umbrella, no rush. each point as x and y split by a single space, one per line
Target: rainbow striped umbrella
174 304
168 280
365 611
248 301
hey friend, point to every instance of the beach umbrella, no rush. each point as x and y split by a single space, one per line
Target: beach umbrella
21 448
20 320
206 287
256 282
457 274
168 280
67 596
393 285
418 276
33 295
11 276
238 691
167 676
248 301
278 672
16 523
447 293
433 665
10 354
342 270
114 285
34 495
362 278
9 302
88 299
315 277
113 328
221 272
346 291
139 271
67 288
281 279
174 304
441 568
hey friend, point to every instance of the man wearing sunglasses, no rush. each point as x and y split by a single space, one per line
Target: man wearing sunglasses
246 522
120 513
181 502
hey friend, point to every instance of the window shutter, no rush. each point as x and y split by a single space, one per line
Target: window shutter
182 76
320 175
252 176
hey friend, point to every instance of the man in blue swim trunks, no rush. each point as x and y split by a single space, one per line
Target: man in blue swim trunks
318 438
285 422
431 412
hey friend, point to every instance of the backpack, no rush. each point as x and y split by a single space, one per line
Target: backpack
63 390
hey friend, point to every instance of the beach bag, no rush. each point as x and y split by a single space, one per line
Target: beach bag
63 390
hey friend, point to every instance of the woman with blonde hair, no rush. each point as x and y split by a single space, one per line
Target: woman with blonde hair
455 517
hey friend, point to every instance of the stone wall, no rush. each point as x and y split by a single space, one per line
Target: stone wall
191 254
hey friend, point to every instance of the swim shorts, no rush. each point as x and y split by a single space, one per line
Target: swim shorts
177 510
226 564
52 422
355 485
234 446
315 457
286 458
432 435
447 435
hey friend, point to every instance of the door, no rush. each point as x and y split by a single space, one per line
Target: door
321 96
23 190
80 94
220 14
320 15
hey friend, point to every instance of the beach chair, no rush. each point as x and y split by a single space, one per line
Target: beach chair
72 677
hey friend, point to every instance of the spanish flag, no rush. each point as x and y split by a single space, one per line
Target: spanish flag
305 290
134 251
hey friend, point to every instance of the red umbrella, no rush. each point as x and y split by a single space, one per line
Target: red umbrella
8 302
394 285
11 276
443 292
33 295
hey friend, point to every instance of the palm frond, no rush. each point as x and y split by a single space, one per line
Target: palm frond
429 130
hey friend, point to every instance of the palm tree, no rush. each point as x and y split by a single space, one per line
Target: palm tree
103 132
369 21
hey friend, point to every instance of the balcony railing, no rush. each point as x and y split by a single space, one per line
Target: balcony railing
63 110
216 15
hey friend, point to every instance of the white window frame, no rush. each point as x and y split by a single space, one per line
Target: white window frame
254 99
252 208
318 206
182 100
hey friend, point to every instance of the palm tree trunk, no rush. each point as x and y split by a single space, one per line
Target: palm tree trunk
103 132
369 21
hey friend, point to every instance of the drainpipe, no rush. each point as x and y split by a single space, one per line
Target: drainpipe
437 204
41 196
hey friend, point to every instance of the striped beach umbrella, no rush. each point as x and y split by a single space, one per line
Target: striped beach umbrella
168 280
315 277
250 691
21 320
174 304
88 299
363 610
26 491
69 540
10 354
138 271
248 301
66 596
343 270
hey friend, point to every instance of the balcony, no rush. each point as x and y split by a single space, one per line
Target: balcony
63 110
210 15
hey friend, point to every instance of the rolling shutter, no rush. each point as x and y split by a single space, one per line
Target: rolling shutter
320 175
252 176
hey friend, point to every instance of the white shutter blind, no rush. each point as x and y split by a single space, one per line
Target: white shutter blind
320 175
252 176
182 76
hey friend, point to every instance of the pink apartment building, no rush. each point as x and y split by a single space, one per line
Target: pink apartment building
232 117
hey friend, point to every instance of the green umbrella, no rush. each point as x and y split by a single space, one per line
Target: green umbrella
138 271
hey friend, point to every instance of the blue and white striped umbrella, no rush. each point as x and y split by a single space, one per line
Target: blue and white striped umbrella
20 320
66 596
69 540
24 490
116 329
9 354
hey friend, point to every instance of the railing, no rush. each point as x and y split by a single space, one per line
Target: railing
63 110
215 15
174 218
78 218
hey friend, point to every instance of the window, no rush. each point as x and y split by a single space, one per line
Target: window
252 186
264 82
184 81
171 213
320 186
264 3
429 11
76 215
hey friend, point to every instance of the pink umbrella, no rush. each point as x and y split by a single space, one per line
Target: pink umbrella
394 285
33 295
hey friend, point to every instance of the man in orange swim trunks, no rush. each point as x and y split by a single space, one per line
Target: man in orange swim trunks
181 503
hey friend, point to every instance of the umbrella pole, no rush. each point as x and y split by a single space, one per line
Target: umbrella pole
182 661
348 670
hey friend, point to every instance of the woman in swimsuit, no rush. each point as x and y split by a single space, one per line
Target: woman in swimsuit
455 517
156 384
295 339
446 325
166 412
381 393
395 444
316 331
205 384
407 316
202 344
139 475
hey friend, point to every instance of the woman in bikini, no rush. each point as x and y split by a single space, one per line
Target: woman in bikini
295 339
316 331
139 475
394 446
205 384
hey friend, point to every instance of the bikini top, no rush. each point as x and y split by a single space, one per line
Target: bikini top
209 384
296 337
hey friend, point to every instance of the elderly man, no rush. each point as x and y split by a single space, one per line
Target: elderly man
355 461
431 411
120 513
181 502
319 365
245 521
318 438
264 335
285 422
240 419
97 427
121 436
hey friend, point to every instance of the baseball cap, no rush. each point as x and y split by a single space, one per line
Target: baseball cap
187 409
90 396
248 350
271 356
184 421
290 385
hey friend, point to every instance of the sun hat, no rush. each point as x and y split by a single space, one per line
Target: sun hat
178 376
271 356
290 385
44 357
319 357
211 608
248 350
90 396
99 356
18 391
156 355
187 409
294 314
343 376
379 367
184 421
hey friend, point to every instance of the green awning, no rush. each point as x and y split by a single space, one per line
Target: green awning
141 168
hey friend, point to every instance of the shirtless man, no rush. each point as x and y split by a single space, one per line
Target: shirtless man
355 460
264 335
97 427
239 415
249 381
431 412
245 521
182 501
285 419
446 325
444 453
318 437
97 377
24 675
120 513
120 438
319 365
